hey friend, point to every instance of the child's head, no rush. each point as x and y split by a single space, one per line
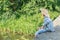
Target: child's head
44 12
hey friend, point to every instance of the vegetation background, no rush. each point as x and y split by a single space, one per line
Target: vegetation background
19 19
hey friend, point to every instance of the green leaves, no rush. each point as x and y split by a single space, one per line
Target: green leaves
23 17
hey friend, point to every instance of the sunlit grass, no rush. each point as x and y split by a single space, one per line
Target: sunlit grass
22 28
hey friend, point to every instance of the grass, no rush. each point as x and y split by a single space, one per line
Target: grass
22 28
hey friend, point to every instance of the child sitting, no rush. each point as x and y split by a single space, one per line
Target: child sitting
47 25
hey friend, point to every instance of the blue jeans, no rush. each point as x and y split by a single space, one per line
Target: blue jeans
44 30
40 31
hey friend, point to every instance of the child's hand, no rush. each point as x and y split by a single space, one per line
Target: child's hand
40 28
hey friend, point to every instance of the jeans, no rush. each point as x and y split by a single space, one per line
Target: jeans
44 30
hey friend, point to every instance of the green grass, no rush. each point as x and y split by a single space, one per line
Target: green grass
22 28
20 19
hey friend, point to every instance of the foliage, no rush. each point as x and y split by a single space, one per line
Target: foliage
23 17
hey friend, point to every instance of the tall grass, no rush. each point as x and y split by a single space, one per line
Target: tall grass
25 26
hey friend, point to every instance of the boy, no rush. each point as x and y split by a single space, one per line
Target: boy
47 25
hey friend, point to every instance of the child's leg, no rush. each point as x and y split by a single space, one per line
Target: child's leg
40 31
51 28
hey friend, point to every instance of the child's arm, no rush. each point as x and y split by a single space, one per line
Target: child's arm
47 21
